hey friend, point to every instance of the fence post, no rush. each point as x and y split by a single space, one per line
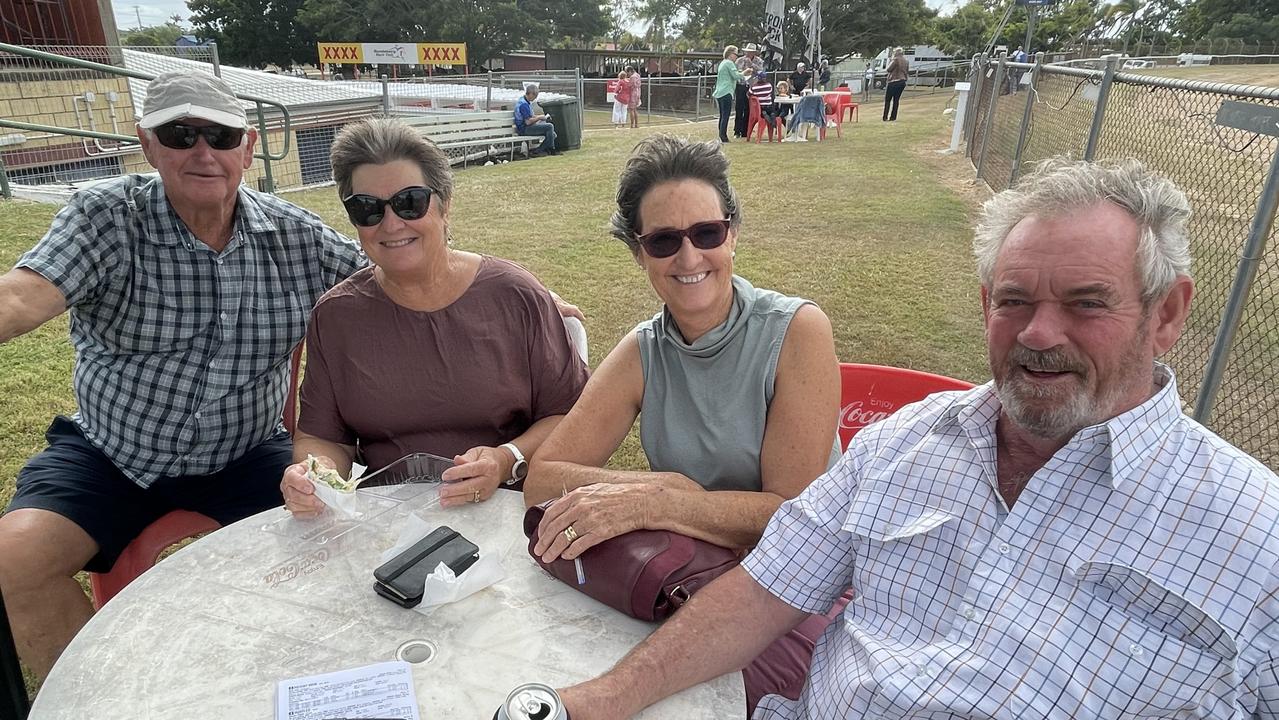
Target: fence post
990 112
697 104
1025 118
978 71
488 93
649 87
214 60
386 97
1103 94
581 99
1262 222
5 191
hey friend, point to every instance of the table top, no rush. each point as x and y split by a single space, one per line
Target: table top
209 631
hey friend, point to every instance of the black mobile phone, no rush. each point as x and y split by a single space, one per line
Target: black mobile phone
401 578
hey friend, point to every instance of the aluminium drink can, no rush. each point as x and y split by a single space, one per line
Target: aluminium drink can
532 701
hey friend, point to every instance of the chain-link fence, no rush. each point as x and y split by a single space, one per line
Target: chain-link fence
1023 113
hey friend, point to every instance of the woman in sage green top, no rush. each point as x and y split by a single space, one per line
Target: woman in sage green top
738 386
725 83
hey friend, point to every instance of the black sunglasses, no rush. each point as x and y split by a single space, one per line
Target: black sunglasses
410 203
180 136
665 242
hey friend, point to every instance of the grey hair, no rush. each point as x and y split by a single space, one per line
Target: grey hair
730 49
665 158
899 50
378 141
1060 185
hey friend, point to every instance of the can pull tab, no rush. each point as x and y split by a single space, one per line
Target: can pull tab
535 707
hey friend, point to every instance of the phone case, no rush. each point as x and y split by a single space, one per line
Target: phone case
401 578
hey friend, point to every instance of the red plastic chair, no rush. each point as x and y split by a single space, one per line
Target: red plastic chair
175 526
847 106
834 114
869 393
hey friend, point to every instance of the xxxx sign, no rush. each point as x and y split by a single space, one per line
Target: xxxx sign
341 52
441 53
393 53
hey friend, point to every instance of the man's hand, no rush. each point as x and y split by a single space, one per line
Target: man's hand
566 308
299 492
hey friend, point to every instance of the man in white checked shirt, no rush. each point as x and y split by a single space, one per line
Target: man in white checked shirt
187 294
1062 542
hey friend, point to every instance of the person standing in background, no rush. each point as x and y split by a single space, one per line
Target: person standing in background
726 78
896 80
823 75
622 99
799 79
753 62
634 105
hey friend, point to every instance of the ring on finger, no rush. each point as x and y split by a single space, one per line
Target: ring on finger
570 533
476 497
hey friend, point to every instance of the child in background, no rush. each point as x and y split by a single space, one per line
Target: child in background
622 99
783 90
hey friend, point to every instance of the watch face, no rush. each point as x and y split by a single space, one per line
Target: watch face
520 469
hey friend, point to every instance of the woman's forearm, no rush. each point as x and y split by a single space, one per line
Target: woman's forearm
730 518
550 479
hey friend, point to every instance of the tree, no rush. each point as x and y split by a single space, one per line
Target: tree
165 35
1199 17
578 21
868 26
253 33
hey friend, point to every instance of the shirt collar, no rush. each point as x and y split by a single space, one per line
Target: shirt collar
1129 437
164 227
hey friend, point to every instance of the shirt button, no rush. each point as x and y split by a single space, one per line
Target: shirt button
921 670
1003 548
223 316
1136 650
970 612
197 415
219 261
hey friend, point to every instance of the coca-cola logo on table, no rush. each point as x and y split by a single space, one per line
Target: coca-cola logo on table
856 415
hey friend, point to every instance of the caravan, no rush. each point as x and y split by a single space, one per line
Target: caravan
923 59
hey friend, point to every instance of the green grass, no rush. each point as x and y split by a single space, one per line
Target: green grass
863 225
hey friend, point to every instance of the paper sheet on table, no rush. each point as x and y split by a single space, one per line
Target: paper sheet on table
345 504
442 586
384 690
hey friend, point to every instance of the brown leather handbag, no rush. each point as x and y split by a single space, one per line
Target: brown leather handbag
647 574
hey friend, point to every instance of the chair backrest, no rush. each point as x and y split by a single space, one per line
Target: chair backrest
14 702
290 418
752 104
869 393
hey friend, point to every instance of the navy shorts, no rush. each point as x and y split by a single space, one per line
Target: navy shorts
74 479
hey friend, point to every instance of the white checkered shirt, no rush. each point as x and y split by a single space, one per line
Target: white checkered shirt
1135 576
182 352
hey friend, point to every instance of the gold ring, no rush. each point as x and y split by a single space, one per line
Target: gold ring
476 497
570 533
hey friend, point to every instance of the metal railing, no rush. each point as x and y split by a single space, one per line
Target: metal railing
61 74
1228 356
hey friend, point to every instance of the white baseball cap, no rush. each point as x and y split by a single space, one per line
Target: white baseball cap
176 95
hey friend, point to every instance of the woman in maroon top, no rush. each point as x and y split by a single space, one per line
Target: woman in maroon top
430 349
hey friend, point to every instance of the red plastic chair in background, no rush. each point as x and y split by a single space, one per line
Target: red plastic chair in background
175 526
754 116
834 114
847 106
869 393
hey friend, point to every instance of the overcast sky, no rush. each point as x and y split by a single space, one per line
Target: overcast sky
130 15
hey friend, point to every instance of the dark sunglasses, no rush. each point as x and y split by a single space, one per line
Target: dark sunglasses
183 137
667 241
410 203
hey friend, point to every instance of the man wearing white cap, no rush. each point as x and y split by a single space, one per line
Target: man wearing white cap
799 79
527 123
748 64
187 293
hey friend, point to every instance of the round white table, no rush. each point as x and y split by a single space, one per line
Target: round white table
208 632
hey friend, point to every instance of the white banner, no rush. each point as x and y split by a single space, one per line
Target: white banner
815 35
773 14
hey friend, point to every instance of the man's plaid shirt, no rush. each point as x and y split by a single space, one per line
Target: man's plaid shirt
182 352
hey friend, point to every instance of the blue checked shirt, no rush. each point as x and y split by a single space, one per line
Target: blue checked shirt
182 352
1135 576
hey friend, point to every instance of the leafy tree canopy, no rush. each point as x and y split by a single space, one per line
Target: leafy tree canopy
254 33
165 35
